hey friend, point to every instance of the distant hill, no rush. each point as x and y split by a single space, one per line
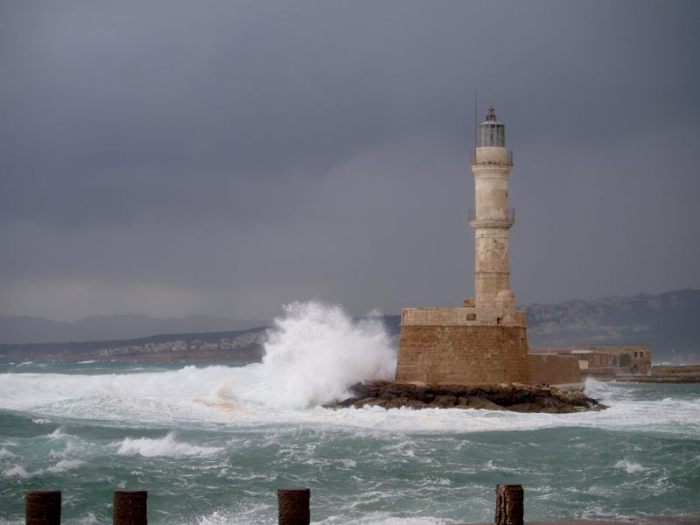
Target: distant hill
23 329
665 321
238 345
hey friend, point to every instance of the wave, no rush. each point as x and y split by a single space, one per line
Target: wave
16 471
262 515
64 465
313 354
218 395
384 518
5 454
165 446
257 395
57 434
630 466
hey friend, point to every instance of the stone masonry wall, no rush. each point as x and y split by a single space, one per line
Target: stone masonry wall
464 355
554 369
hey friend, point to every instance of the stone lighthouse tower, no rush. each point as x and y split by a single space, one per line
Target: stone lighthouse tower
484 341
491 220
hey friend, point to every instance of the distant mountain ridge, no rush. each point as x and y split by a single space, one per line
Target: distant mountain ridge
237 345
25 329
666 321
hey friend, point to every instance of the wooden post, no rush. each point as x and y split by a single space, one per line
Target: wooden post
130 507
509 504
43 507
294 506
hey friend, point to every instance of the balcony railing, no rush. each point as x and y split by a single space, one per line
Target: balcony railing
497 160
492 217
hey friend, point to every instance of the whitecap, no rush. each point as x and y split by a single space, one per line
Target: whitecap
384 518
16 471
165 446
4 453
242 516
57 434
64 465
72 448
629 466
88 519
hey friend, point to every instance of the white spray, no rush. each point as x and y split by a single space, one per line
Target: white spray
313 354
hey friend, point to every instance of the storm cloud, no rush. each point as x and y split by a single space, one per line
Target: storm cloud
176 157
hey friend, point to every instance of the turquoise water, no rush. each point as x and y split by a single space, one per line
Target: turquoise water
211 444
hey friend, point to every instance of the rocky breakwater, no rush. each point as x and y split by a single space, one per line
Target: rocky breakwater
515 397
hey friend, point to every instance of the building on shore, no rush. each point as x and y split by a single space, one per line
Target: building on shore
484 340
606 359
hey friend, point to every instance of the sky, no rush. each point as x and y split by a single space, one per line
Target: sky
228 157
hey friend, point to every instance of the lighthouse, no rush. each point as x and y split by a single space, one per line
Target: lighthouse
483 341
492 219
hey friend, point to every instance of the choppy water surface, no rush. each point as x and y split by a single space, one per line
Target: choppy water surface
212 444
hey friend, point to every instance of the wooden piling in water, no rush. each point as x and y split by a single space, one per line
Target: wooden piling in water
294 506
130 507
43 507
509 505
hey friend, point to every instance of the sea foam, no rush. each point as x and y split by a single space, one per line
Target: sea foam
314 353
4 453
165 446
629 466
16 471
64 465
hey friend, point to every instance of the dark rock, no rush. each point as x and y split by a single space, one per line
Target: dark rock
525 407
414 403
369 401
345 403
397 402
516 397
444 401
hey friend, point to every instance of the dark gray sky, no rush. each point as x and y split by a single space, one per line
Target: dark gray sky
172 157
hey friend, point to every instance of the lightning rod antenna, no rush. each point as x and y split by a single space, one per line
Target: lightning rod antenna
476 125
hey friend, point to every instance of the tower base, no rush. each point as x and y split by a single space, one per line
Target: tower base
446 346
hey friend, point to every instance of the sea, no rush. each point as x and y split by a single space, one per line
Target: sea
213 443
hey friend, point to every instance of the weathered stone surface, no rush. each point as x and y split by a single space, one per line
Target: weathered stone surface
462 354
515 397
554 369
